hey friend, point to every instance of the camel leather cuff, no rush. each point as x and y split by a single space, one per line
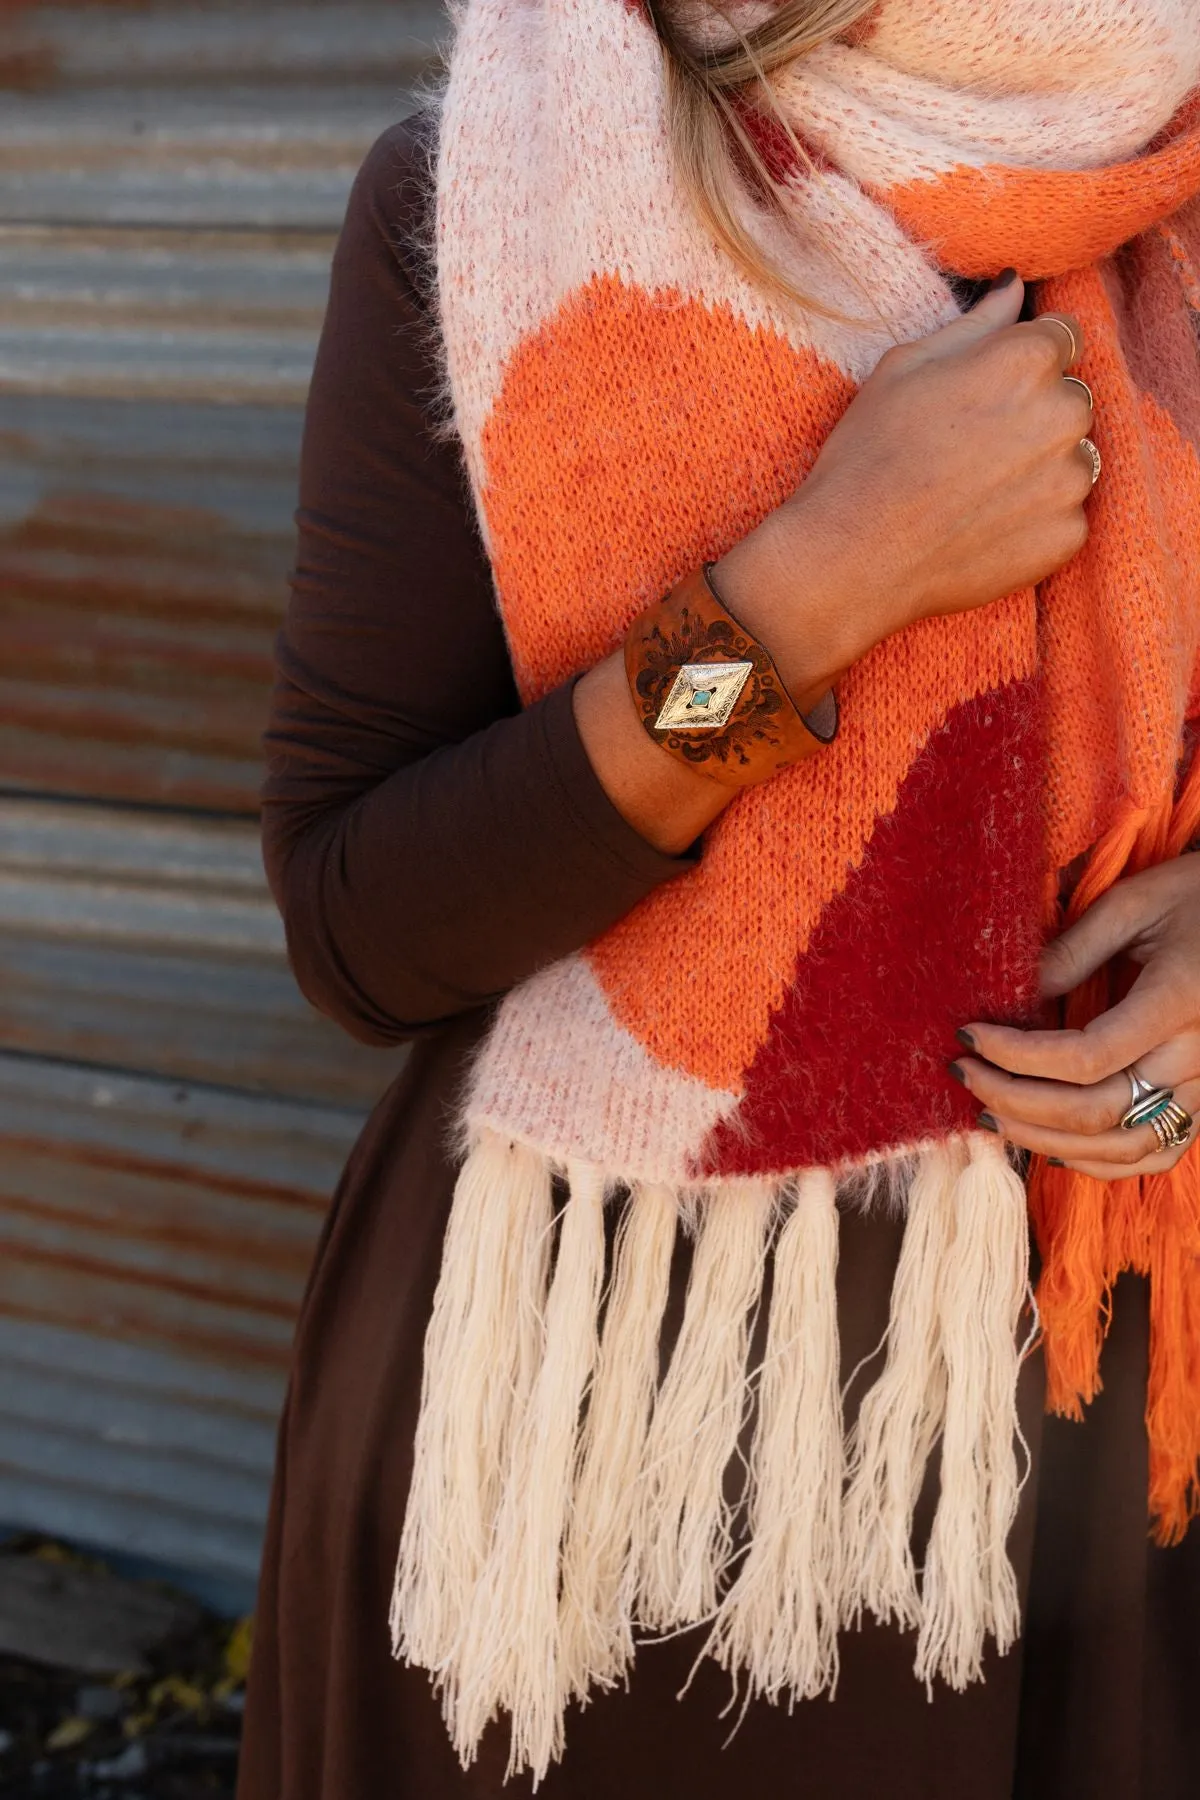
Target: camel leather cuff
709 693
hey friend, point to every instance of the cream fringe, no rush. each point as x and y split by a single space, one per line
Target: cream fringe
779 1620
969 1591
901 1417
684 1523
597 1612
509 1654
483 1348
547 1524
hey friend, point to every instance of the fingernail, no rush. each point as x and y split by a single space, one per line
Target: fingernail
1004 279
964 1037
986 1122
1055 1162
959 1074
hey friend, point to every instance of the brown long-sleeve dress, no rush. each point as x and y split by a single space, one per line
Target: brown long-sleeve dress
430 845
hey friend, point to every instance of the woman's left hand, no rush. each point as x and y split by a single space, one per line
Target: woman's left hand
1063 1093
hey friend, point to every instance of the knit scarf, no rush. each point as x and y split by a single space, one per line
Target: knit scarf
762 1042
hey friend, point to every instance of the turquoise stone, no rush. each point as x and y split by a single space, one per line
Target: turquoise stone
701 696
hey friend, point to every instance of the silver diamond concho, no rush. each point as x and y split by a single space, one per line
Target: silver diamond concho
703 696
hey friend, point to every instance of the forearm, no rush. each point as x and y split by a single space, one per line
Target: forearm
416 897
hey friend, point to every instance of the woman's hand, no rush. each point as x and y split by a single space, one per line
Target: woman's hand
954 477
1063 1092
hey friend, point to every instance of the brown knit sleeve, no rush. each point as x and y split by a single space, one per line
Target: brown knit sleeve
428 843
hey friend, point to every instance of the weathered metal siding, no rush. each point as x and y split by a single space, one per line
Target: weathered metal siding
154 1239
173 1116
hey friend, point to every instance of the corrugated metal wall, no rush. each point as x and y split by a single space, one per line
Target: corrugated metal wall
172 1115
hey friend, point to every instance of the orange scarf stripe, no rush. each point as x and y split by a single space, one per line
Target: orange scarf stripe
1045 221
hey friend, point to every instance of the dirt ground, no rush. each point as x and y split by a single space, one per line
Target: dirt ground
164 1729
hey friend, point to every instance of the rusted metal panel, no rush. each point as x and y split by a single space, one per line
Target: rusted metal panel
146 941
154 1242
155 1234
110 1442
127 876
225 114
170 181
188 1016
144 551
351 42
166 315
285 1151
173 1116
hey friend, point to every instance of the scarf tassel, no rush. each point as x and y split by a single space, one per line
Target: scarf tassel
1089 1232
580 1473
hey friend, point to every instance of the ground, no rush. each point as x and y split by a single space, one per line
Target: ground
163 1727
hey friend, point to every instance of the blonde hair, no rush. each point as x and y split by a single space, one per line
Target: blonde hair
710 90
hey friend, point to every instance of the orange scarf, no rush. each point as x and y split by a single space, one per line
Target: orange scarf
763 1041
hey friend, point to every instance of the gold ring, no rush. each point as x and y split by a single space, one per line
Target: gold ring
1081 383
1093 455
1053 319
1172 1127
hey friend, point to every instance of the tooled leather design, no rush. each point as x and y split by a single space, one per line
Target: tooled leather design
763 734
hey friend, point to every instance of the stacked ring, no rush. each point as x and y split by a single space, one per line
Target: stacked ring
1054 319
1085 444
1158 1108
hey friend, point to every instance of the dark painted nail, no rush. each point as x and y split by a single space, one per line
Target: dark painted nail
986 1122
956 1070
1004 279
964 1037
1056 1162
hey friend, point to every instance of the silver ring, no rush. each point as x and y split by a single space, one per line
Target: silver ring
1093 454
1079 382
1053 319
1146 1102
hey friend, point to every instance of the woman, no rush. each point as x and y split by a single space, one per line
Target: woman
715 919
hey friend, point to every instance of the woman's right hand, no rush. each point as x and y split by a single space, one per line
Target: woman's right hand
955 477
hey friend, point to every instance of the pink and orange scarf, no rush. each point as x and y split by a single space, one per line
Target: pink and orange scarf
763 1041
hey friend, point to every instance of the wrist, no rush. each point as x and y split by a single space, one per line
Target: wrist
793 584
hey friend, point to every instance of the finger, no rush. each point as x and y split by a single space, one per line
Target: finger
998 308
1077 423
1065 332
1109 925
1117 1148
1066 1106
1161 1163
1156 1008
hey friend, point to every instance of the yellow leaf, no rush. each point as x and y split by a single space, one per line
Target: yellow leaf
175 1691
237 1651
52 1552
71 1732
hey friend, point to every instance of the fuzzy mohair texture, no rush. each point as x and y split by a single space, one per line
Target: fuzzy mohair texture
763 1041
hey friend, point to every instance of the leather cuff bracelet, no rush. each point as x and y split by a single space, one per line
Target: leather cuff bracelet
709 693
